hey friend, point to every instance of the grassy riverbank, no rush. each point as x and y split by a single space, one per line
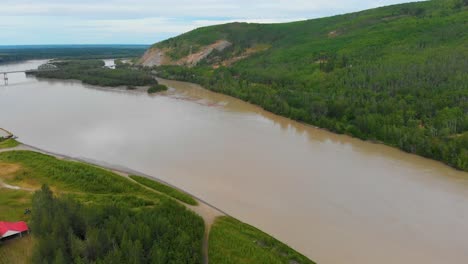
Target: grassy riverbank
179 195
232 242
85 213
8 143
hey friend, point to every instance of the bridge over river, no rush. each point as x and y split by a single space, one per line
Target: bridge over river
41 68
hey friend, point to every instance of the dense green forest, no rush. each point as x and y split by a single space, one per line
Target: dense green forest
93 72
68 232
396 74
20 53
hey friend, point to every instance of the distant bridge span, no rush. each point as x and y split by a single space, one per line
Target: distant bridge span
41 68
6 72
5 75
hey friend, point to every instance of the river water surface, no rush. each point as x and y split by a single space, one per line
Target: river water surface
334 198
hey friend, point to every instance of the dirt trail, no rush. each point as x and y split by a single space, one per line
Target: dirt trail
206 211
12 187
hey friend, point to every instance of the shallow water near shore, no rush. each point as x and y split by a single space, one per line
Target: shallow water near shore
333 198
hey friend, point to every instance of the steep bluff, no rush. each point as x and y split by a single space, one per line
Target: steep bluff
156 56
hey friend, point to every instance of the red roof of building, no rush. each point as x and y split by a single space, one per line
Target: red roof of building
12 226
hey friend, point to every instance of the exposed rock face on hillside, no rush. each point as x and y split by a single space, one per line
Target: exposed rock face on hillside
193 59
157 57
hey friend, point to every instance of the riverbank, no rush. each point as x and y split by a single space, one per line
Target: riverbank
271 115
427 137
208 212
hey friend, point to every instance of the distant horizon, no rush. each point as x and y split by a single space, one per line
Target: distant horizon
145 22
74 44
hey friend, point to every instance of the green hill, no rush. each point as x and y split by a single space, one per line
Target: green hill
396 74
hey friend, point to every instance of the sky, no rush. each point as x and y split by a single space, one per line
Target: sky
28 22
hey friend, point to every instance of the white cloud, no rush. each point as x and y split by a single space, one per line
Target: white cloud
183 8
147 21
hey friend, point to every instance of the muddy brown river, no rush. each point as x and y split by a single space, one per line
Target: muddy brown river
334 198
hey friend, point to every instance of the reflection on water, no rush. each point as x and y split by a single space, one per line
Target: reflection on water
334 198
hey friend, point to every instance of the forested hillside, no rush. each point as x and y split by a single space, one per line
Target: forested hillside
397 74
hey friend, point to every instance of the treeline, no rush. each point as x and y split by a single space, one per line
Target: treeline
93 72
20 53
397 74
69 232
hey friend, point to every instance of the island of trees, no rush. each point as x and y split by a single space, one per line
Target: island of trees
93 72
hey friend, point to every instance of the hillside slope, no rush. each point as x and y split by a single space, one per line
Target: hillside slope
396 74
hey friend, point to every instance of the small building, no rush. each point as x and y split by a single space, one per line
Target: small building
11 229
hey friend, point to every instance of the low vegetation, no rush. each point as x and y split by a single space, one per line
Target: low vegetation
8 143
157 88
232 242
396 74
179 195
17 251
13 203
38 169
93 72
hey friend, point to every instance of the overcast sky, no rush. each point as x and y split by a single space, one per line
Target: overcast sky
149 21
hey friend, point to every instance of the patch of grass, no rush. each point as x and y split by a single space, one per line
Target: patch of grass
157 88
13 203
12 206
86 183
67 175
232 241
179 195
17 251
9 143
127 201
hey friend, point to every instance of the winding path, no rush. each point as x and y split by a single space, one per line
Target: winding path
206 211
